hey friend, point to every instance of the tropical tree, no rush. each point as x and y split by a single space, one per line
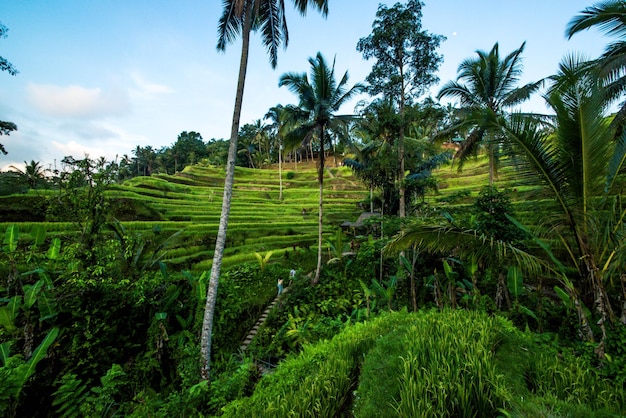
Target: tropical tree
32 174
609 17
405 65
315 117
486 88
581 163
261 140
6 127
241 17
376 157
188 148
280 125
581 238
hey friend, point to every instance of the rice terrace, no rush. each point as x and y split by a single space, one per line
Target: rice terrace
445 256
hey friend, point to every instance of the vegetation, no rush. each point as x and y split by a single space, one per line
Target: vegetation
6 127
490 298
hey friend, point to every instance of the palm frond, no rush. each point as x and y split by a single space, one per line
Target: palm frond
453 240
608 16
230 24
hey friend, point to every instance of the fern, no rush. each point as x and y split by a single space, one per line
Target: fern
70 396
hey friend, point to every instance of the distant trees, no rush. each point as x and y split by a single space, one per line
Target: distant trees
33 173
6 127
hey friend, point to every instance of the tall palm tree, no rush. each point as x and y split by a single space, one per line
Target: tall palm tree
280 125
581 164
240 17
609 17
319 99
486 88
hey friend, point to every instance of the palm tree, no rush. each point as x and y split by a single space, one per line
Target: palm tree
486 89
240 17
609 17
32 174
315 116
578 161
280 125
261 140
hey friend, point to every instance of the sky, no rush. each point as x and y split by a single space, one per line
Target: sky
101 77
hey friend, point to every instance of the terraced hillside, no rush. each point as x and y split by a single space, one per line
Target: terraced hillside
259 221
191 201
458 190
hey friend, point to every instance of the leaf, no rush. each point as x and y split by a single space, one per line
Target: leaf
515 281
527 311
449 271
5 351
47 306
407 265
38 233
9 312
6 319
160 315
31 293
10 238
40 352
55 249
567 301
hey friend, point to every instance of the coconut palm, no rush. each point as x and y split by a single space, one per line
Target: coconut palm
280 125
609 17
486 88
315 117
240 17
580 164
32 174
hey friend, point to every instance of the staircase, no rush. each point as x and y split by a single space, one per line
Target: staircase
260 322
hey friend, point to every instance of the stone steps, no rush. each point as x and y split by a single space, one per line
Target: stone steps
258 324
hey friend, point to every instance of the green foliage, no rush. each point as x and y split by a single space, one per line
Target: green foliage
263 260
72 397
494 208
439 364
16 371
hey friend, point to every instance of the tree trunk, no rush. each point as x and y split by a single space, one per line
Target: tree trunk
280 172
220 243
320 179
402 208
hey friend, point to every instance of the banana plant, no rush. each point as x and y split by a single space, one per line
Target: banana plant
515 285
15 372
337 246
263 260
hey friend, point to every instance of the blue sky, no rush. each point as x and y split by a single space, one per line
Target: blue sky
100 77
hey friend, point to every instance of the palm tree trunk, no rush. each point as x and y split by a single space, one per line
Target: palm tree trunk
209 310
280 172
320 179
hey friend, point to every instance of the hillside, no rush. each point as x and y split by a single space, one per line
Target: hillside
191 202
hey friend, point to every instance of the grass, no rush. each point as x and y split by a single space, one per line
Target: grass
448 363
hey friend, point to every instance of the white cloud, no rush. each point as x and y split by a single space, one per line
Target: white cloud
76 101
146 88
